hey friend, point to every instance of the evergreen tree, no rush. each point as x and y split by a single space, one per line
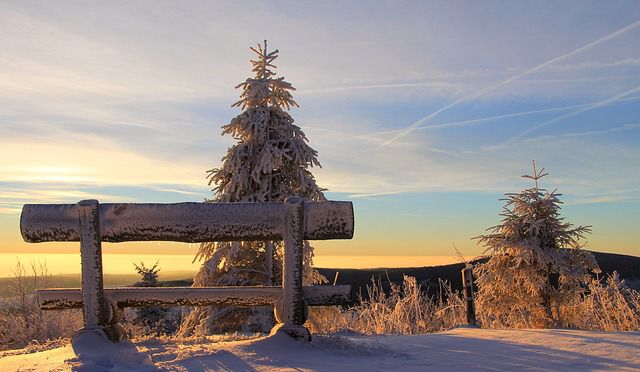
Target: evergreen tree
149 275
269 163
154 320
536 263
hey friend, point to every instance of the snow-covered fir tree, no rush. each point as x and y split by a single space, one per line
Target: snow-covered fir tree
536 264
149 274
269 163
153 320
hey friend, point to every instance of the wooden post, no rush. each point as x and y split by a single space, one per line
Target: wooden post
467 280
91 255
93 311
292 306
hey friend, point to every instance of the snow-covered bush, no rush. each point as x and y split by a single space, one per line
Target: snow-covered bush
607 306
536 266
269 162
22 323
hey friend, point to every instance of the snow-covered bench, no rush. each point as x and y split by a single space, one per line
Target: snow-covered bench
91 223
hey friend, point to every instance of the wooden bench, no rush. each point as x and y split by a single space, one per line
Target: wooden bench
91 223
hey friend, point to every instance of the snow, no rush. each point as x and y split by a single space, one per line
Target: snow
186 222
454 350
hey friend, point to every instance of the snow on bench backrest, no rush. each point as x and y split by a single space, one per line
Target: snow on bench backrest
186 222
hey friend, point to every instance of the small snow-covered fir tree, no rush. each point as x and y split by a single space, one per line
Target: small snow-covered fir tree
269 163
149 274
536 263
154 320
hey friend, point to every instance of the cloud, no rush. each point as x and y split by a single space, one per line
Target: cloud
371 195
600 200
463 123
612 196
441 86
621 128
413 126
591 65
586 161
12 201
580 110
95 162
181 192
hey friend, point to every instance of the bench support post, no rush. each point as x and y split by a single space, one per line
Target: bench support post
292 306
91 255
93 310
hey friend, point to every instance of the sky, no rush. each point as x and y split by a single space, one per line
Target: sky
424 114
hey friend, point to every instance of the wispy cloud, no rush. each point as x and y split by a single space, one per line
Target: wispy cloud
588 65
580 110
621 128
463 123
493 87
600 199
181 192
450 86
10 209
374 194
12 201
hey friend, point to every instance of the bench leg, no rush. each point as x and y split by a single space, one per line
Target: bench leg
93 310
292 312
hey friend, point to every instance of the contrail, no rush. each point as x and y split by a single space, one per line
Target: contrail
469 122
623 128
490 88
573 113
464 123
377 86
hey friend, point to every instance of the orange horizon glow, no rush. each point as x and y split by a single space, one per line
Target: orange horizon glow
69 263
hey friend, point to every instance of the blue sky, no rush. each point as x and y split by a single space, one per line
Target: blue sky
423 113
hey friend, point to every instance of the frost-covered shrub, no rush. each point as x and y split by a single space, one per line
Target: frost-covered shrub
605 305
151 320
609 306
269 162
536 266
22 323
405 310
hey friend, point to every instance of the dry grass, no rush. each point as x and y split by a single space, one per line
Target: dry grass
405 310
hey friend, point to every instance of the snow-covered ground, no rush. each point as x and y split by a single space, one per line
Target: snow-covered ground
455 350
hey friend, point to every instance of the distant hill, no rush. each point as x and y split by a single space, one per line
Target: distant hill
627 266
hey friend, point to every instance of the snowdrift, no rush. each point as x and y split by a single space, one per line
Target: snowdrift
454 350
